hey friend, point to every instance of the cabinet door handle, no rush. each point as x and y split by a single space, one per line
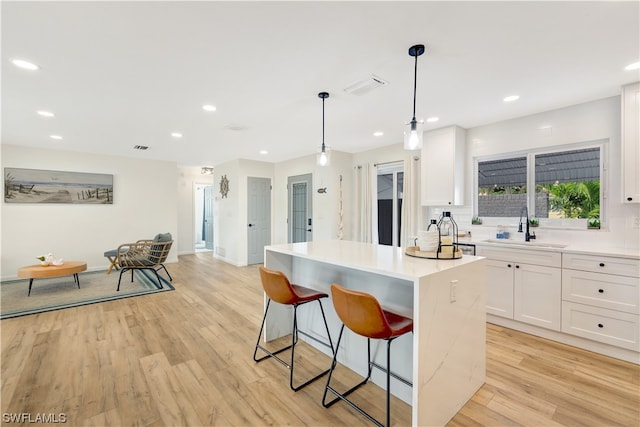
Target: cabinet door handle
629 199
600 325
601 291
509 265
602 264
517 266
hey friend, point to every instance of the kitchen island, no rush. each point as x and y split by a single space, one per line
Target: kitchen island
444 358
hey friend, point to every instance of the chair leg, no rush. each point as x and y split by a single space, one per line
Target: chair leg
132 275
158 276
165 270
292 346
120 277
343 396
259 347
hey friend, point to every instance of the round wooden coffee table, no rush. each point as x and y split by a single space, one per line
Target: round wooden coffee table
38 271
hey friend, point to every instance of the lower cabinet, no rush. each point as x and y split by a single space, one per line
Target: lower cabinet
537 295
500 288
589 301
524 292
601 299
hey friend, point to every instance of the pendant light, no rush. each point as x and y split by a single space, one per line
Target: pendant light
323 158
413 129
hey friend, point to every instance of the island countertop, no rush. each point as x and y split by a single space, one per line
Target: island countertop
444 357
381 259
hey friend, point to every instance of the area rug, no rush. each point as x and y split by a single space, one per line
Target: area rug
62 292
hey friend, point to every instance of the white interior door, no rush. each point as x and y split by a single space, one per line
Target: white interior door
258 218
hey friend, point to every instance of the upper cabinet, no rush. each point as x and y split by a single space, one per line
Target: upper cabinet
443 156
631 143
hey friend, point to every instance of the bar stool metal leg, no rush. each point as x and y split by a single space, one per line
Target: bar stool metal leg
370 366
294 340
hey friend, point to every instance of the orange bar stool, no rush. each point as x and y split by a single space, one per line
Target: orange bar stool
279 289
362 313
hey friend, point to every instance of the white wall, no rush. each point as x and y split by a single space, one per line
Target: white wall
230 213
187 179
326 206
597 120
145 201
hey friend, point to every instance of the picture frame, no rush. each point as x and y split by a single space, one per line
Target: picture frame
47 186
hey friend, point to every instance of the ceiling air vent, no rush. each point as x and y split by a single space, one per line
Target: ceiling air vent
365 86
140 147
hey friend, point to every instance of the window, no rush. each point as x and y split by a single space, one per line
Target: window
567 185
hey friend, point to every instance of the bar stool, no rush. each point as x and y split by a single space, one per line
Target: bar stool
279 289
362 313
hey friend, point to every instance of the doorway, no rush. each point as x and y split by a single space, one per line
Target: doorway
390 184
203 217
300 209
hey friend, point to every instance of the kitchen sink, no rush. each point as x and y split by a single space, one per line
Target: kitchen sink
523 243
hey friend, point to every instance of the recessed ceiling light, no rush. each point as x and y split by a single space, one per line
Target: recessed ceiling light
209 107
176 134
45 113
433 119
511 98
25 64
55 137
264 152
634 66
378 133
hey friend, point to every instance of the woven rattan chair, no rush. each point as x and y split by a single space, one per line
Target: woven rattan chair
145 255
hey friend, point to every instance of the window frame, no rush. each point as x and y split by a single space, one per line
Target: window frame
551 223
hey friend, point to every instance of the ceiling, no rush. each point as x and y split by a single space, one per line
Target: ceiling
119 74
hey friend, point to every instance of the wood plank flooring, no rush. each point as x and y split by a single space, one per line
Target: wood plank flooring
184 358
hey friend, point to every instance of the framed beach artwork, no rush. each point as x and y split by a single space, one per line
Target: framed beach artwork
44 186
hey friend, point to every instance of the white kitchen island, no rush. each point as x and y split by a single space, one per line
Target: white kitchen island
445 356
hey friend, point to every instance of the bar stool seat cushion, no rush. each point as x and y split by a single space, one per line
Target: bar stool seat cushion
277 287
362 313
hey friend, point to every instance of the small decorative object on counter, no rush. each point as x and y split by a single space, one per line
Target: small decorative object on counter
593 223
533 222
476 221
445 247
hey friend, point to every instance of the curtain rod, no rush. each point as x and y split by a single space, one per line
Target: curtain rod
395 161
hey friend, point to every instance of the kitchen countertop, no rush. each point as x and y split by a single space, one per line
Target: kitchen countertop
539 245
380 259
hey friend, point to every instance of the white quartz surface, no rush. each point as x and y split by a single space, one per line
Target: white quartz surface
381 259
584 248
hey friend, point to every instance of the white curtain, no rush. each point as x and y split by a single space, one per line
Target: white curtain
410 200
366 212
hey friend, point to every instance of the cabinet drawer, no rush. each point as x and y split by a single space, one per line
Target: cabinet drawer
599 324
526 256
602 264
601 290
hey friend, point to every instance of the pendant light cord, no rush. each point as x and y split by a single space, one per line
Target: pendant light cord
323 125
415 86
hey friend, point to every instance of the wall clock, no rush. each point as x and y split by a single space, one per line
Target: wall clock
224 186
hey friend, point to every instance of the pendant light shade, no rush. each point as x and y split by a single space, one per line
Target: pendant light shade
324 154
413 129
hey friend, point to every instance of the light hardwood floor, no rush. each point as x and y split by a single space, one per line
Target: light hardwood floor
185 358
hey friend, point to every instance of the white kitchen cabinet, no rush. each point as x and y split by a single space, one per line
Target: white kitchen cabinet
537 295
499 288
601 299
522 291
442 169
631 143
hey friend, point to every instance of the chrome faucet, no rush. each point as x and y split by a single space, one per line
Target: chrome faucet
527 235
